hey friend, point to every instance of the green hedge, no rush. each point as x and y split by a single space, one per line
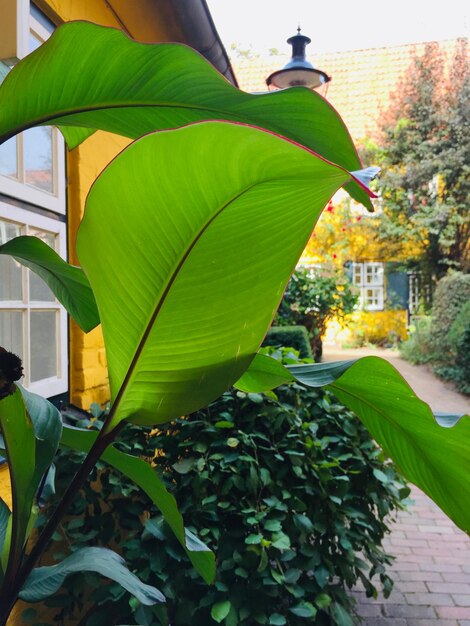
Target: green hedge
457 366
290 492
444 338
293 336
450 296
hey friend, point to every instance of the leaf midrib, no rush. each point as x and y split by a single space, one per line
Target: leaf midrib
103 107
161 301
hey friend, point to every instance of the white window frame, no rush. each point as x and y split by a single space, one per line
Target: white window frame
54 385
16 187
360 278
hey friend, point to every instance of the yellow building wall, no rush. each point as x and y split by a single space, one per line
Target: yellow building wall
5 487
148 21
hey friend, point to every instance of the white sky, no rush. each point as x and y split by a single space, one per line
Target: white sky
336 25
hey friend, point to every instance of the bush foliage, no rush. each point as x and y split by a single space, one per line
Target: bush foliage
291 493
452 293
444 338
294 336
457 368
418 348
312 298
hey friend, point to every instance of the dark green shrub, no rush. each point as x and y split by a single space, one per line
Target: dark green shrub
452 293
291 493
418 348
458 369
294 336
312 298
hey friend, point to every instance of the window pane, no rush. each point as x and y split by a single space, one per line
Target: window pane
38 290
38 158
8 161
11 331
10 270
34 42
43 330
357 274
374 275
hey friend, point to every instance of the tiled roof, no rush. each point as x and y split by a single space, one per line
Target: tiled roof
362 80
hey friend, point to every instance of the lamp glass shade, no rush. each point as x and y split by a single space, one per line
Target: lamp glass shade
300 76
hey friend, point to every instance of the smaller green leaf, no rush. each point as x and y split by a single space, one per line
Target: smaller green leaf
323 600
184 466
47 424
305 609
224 424
340 615
153 528
232 442
381 476
220 610
68 283
281 541
273 525
264 373
276 619
44 581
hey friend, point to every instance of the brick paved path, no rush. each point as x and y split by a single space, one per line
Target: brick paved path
432 566
431 571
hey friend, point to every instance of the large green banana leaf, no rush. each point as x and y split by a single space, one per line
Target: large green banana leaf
188 257
132 88
433 452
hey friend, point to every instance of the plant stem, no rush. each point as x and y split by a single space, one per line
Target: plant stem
99 446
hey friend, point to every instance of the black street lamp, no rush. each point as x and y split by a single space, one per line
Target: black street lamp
298 71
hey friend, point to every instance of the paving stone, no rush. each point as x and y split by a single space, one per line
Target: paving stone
453 612
384 621
408 566
434 577
413 558
409 543
433 599
444 568
369 610
455 577
447 530
442 587
409 587
434 622
409 610
455 560
461 600
395 598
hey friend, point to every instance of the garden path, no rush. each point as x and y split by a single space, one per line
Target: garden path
432 566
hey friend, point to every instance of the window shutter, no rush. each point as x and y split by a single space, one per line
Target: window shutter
397 288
